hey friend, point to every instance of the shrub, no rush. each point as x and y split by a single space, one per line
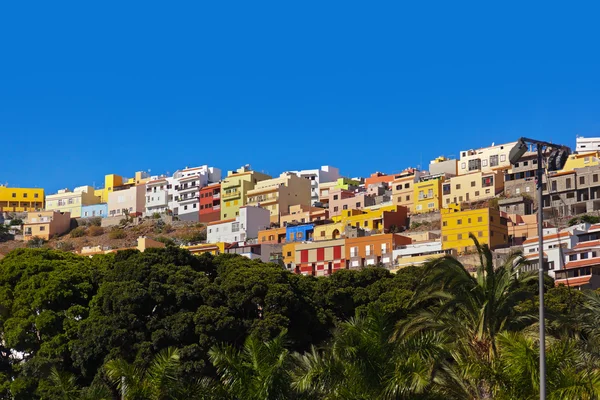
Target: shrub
117 233
65 246
166 240
194 237
36 243
95 230
78 232
16 222
95 221
156 215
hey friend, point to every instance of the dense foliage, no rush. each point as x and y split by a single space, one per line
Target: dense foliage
164 324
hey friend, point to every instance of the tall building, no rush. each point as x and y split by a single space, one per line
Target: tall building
278 194
486 224
235 187
324 174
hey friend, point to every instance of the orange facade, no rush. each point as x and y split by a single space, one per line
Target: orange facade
374 249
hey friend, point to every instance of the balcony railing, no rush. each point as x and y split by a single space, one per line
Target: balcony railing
216 195
230 194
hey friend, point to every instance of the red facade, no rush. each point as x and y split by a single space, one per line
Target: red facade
210 203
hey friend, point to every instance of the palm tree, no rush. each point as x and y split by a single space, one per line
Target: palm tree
65 383
157 382
362 362
259 371
569 375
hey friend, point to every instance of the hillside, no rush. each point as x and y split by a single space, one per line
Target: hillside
180 232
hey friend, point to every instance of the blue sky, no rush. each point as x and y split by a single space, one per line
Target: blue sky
90 88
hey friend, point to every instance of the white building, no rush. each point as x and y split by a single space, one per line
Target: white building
184 201
584 145
241 228
158 195
324 174
418 253
485 159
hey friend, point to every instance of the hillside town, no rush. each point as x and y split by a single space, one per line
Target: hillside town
318 221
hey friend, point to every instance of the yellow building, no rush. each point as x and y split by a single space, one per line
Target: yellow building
403 188
329 231
212 248
289 255
582 160
380 219
428 194
473 187
21 199
487 224
278 194
72 201
234 190
112 180
340 183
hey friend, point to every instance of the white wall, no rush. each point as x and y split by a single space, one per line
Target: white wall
324 174
245 226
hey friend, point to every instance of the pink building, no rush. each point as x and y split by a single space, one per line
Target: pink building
340 200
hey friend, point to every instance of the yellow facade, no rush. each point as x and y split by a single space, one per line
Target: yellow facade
72 201
110 182
212 248
473 187
485 223
235 188
364 219
21 199
428 195
289 254
328 231
582 160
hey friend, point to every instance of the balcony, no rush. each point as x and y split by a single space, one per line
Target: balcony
231 195
216 195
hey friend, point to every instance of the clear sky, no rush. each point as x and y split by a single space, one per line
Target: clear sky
91 88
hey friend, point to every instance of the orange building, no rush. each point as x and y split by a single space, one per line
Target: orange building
522 227
373 250
271 236
46 224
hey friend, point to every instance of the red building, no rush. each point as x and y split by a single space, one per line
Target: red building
210 203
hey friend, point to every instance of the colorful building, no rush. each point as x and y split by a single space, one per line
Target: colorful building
201 248
341 183
278 194
419 253
373 250
380 219
234 190
272 235
72 201
340 200
243 227
403 188
46 224
427 194
299 233
486 224
21 199
210 203
300 214
473 187
95 210
330 231
127 199
582 160
324 174
320 258
486 159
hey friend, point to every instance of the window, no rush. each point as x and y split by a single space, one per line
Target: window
472 183
445 238
366 223
487 191
398 187
583 256
407 198
446 189
463 165
582 180
14 195
185 207
459 222
595 178
406 185
322 233
479 234
527 189
487 181
24 195
358 204
335 209
194 205
459 236
298 235
383 247
35 195
477 193
484 163
458 186
235 202
468 220
430 193
289 253
419 207
445 223
554 186
354 251
335 196
494 161
430 205
368 249
517 190
42 228
572 257
491 219
502 157
479 219
345 207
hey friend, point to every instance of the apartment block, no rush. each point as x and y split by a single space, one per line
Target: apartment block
300 213
324 174
584 145
127 199
443 165
486 159
186 194
95 210
381 219
272 235
427 193
72 201
278 194
299 233
582 267
373 250
159 192
341 200
403 188
46 224
473 187
21 199
210 203
234 189
419 253
243 227
486 224
319 258
340 183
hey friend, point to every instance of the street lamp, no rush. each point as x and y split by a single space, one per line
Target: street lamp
556 160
